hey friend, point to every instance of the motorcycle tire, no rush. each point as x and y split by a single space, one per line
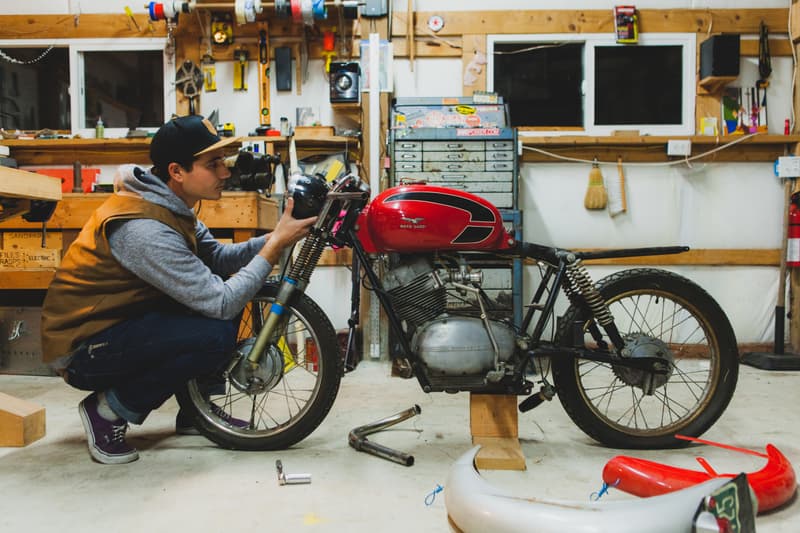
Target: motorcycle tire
660 314
299 396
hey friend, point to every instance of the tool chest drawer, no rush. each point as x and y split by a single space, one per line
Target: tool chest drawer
485 168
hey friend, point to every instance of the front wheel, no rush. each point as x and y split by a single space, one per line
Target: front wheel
285 397
658 314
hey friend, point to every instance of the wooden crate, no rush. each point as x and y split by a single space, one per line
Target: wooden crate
31 240
30 259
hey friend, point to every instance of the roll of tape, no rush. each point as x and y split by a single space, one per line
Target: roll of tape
283 8
297 11
319 10
239 9
308 12
170 11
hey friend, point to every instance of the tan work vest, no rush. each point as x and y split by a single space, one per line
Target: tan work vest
91 291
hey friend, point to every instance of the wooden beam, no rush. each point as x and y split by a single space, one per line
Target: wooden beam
494 425
777 48
712 257
86 25
596 21
87 151
21 422
16 183
235 210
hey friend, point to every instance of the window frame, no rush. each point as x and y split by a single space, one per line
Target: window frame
77 83
688 42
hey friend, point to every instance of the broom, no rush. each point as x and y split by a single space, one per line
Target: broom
596 195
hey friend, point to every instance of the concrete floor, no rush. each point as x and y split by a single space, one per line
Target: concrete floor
188 484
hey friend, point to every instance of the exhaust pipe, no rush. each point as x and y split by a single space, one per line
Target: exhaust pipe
358 437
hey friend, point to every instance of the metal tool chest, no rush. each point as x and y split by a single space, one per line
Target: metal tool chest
467 145
455 142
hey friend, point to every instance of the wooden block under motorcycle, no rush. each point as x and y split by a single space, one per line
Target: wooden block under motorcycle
494 425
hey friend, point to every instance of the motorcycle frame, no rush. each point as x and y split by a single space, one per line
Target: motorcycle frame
557 260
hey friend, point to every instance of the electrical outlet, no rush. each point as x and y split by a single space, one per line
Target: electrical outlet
788 167
679 147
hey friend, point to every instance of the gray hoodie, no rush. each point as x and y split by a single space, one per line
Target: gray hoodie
160 256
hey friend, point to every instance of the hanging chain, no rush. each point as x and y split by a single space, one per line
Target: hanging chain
30 62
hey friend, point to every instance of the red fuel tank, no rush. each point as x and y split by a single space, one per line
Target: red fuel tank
426 218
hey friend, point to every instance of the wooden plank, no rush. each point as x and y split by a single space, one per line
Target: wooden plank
87 151
85 26
239 210
777 48
16 183
494 425
473 64
24 259
493 415
13 240
234 210
21 422
711 257
26 279
794 13
596 21
499 453
99 25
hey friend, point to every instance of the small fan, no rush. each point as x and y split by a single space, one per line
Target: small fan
189 80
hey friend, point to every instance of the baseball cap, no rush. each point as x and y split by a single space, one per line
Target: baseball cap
184 138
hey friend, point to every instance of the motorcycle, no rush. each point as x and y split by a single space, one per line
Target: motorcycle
636 358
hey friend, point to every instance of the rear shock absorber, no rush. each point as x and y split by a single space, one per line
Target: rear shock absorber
582 284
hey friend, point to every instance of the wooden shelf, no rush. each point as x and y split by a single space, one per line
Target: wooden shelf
120 151
761 147
87 151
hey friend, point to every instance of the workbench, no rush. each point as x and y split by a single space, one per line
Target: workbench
237 215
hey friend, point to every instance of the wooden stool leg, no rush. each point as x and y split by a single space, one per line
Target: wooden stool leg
494 426
21 422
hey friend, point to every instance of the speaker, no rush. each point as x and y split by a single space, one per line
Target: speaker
283 68
719 56
344 82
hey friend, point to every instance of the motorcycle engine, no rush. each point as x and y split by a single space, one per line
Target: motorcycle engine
460 345
449 344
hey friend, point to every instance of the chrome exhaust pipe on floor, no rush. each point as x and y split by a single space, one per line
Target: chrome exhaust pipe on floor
358 437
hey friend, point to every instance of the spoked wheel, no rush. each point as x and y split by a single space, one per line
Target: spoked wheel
663 315
285 396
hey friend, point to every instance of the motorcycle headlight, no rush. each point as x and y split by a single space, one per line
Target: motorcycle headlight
309 194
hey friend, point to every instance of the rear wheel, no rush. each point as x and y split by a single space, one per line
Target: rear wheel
659 314
286 396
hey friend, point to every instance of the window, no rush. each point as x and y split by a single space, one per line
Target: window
34 89
592 84
79 80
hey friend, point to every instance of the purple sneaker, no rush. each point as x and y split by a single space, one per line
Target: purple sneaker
106 439
185 426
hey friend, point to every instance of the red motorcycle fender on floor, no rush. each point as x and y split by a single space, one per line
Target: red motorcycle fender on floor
773 485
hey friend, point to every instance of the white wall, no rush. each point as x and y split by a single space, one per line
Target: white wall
711 205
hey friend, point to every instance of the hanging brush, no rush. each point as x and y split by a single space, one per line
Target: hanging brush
596 195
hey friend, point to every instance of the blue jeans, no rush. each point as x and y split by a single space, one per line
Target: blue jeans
141 362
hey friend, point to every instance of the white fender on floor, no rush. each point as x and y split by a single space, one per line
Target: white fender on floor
476 506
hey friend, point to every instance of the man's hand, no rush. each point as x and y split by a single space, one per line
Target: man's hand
288 231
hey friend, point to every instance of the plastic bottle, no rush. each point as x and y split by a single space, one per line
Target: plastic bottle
99 129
